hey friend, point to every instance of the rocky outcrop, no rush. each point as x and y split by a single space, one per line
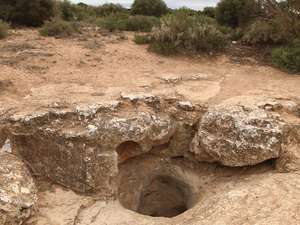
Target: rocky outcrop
236 135
18 193
81 148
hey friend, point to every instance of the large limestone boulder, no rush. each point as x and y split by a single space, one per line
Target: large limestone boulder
236 135
17 190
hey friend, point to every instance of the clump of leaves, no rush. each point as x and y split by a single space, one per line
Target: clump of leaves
59 28
288 58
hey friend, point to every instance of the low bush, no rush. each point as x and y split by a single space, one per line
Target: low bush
236 13
25 12
209 11
185 10
113 22
72 12
108 9
142 39
181 32
288 58
266 32
67 10
59 28
163 48
149 7
3 29
124 22
141 23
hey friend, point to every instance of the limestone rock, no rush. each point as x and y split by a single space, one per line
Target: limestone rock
236 135
17 191
91 143
289 160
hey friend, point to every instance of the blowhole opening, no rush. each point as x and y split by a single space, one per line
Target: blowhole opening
156 196
149 185
164 196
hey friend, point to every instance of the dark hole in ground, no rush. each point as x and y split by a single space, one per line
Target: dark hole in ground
146 188
163 197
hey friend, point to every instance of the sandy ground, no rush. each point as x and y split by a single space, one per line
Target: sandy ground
37 71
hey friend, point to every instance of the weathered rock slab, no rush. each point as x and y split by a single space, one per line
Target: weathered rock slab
236 135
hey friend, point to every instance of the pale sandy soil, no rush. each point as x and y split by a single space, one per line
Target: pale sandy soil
37 71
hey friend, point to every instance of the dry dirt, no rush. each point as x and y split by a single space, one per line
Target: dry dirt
38 72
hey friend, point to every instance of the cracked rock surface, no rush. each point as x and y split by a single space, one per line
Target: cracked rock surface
147 160
18 193
235 135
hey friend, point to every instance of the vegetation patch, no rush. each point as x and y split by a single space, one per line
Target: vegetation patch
236 13
72 12
125 22
109 9
266 32
142 39
28 13
288 58
59 28
149 7
181 32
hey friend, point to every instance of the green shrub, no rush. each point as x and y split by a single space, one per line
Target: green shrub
141 23
142 39
288 58
68 11
114 22
108 9
3 29
149 7
124 22
266 32
85 13
209 11
59 28
163 48
25 12
187 11
181 32
72 12
236 13
236 34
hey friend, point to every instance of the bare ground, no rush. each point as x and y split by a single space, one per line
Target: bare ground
37 71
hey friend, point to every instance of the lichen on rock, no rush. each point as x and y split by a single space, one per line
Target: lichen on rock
236 135
18 193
